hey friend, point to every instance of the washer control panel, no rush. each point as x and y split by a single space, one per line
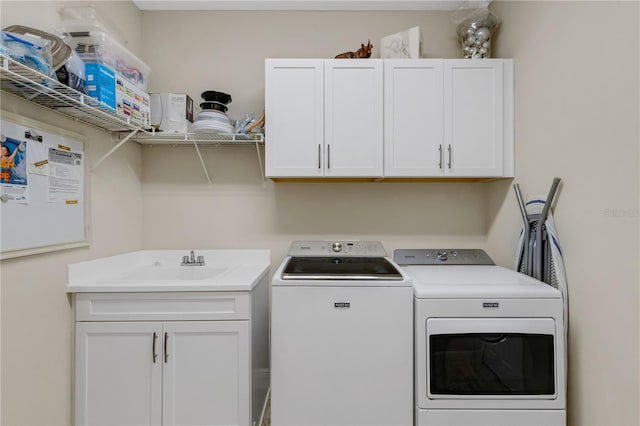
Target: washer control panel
441 257
337 248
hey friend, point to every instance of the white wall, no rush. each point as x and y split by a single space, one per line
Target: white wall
577 117
225 51
36 314
578 101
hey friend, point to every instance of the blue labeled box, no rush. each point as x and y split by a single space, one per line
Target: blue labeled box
101 83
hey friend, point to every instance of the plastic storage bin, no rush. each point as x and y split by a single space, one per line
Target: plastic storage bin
31 51
100 48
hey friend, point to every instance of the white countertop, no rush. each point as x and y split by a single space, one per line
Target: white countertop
160 271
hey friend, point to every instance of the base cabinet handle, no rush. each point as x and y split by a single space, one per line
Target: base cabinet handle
153 347
166 351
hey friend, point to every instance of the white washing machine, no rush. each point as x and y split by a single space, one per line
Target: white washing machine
341 337
489 342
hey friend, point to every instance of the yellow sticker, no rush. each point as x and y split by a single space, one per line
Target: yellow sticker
41 163
66 148
72 201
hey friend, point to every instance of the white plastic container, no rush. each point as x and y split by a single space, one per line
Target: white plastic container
99 47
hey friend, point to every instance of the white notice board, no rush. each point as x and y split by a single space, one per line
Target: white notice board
42 188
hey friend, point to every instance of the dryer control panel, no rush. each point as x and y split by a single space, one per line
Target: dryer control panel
337 248
441 257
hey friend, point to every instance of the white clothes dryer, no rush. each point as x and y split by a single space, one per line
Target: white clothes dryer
489 342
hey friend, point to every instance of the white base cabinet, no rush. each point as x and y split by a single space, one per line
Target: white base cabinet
171 358
206 376
117 381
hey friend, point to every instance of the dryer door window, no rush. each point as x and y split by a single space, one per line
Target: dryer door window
494 359
492 364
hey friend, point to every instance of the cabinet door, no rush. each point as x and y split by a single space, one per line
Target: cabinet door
473 117
118 381
353 117
295 124
206 373
413 132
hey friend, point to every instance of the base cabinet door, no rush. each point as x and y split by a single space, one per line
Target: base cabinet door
163 373
118 373
206 373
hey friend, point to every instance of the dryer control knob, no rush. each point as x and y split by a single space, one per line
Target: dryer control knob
337 247
442 256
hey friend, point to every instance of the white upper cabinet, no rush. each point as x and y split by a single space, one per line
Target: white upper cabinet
405 118
448 118
474 117
353 117
294 103
325 118
413 116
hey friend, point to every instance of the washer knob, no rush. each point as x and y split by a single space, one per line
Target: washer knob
442 256
337 247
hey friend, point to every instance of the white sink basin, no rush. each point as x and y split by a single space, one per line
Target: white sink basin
170 273
160 270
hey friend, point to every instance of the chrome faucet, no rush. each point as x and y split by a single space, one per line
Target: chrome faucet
191 260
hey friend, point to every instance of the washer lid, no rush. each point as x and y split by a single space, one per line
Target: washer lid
475 281
344 268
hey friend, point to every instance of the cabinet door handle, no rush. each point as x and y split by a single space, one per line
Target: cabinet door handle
155 355
440 152
450 160
166 352
319 155
328 156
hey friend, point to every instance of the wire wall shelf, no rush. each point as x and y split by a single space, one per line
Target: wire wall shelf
33 86
189 139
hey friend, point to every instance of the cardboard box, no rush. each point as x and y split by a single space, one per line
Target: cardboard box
132 101
172 112
101 83
118 93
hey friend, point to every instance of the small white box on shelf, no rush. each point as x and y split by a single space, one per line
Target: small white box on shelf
405 44
172 112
